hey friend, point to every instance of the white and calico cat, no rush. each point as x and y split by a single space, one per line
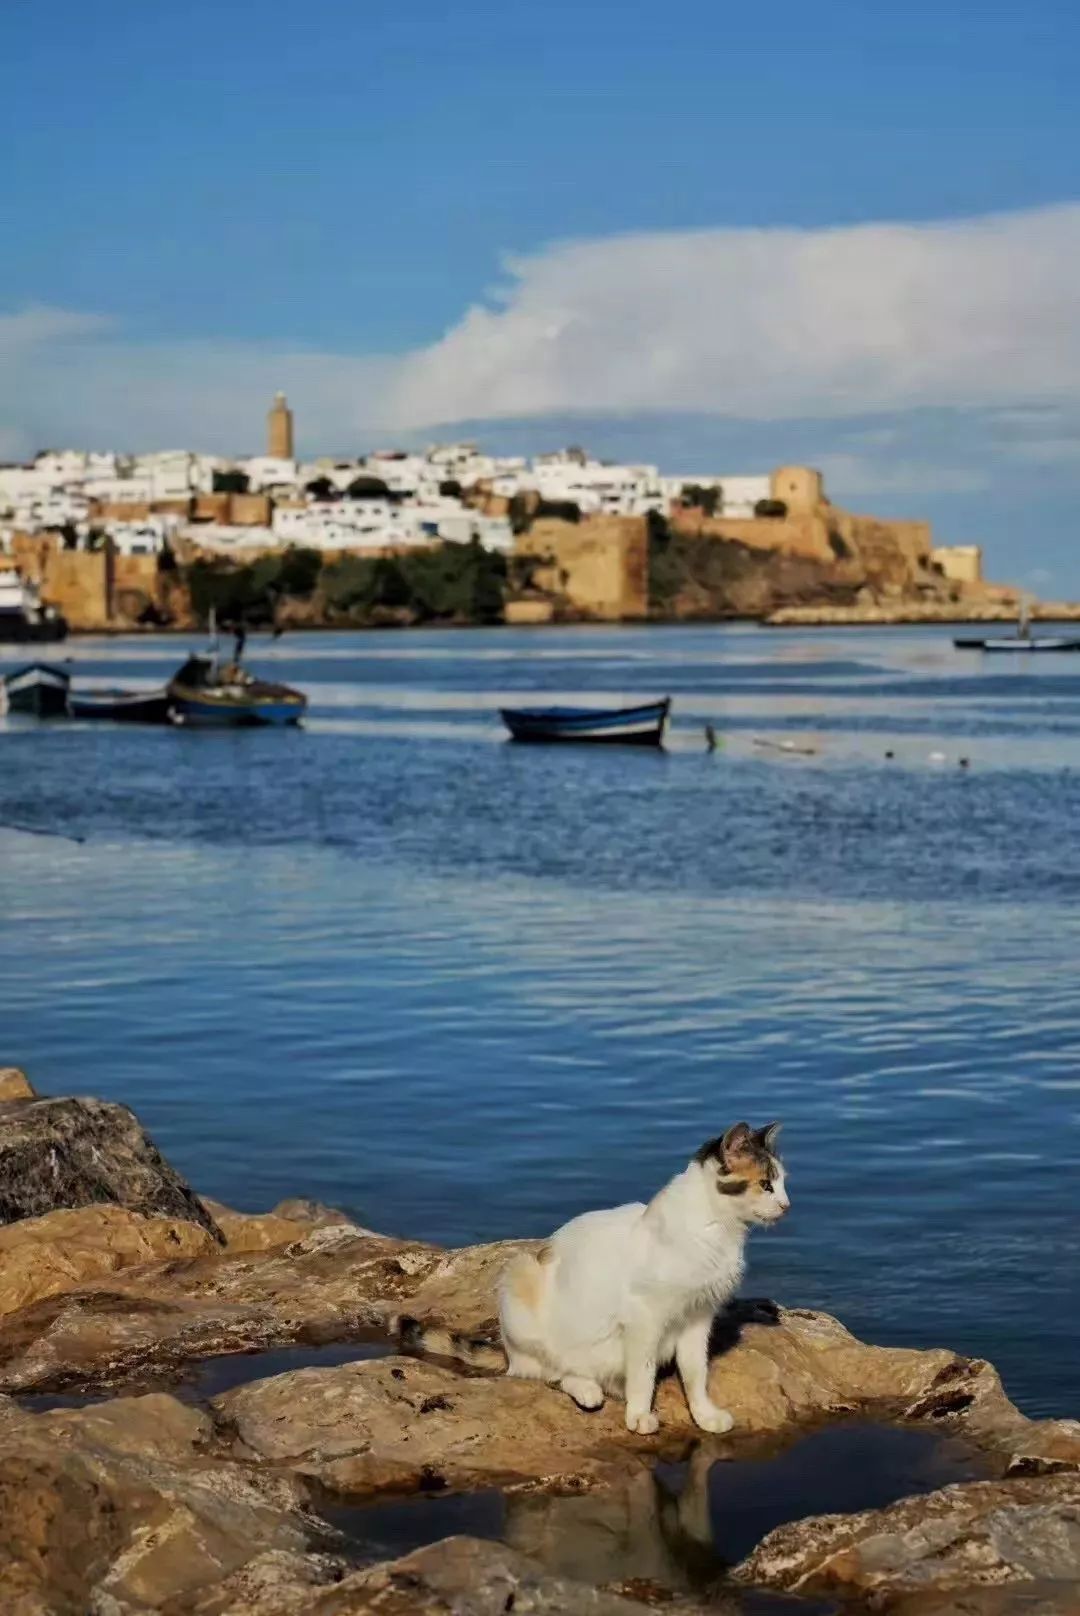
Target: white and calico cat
615 1294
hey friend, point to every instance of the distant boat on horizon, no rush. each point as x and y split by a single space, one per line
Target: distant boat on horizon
1015 642
1022 640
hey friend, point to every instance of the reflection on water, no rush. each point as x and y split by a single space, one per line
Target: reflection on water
680 1525
467 989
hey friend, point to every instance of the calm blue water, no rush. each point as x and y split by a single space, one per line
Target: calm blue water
467 989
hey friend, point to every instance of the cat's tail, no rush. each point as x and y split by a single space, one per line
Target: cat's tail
522 1305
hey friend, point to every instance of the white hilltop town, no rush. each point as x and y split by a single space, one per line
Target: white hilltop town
96 537
387 499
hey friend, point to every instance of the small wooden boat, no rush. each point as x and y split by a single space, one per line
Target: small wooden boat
1022 640
121 706
1017 642
203 695
628 726
39 689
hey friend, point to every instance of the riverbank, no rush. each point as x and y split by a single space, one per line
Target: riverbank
829 566
141 1472
885 613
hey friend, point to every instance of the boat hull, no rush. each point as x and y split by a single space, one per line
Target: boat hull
624 726
39 691
206 711
1017 645
120 706
15 629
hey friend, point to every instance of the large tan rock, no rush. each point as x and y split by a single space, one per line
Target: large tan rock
459 1576
775 1368
147 1504
41 1257
794 1366
408 1425
277 1582
333 1284
302 1209
469 1577
255 1231
1024 1530
397 1422
14 1084
287 1223
1011 1599
119 1507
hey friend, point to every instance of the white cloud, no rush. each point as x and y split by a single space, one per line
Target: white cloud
40 323
770 324
977 315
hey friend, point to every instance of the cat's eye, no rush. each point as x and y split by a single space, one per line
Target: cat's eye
766 1186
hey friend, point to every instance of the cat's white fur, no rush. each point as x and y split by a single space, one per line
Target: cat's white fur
613 1295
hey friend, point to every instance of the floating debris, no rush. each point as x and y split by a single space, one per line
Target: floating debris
784 746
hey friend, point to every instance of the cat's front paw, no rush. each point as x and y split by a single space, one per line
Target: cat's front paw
711 1418
644 1423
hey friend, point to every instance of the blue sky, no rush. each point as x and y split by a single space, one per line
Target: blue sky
209 200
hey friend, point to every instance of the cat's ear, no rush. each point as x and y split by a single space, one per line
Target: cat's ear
767 1136
738 1141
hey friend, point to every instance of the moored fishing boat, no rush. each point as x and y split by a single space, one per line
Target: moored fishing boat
121 706
630 726
1017 642
1022 640
22 615
206 695
39 689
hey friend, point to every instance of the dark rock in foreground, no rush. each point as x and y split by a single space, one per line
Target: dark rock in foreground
57 1154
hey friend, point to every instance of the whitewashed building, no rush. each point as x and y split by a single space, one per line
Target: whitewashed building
267 472
147 537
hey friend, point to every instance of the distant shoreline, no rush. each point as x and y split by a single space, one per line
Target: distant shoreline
786 617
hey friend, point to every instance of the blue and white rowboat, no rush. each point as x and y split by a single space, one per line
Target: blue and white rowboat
627 726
